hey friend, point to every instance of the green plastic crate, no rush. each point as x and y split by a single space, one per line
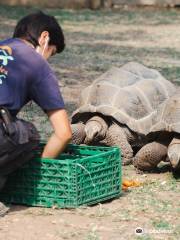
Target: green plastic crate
82 175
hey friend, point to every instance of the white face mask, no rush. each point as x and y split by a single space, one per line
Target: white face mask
38 49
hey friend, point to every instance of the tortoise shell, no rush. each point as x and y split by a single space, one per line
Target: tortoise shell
129 94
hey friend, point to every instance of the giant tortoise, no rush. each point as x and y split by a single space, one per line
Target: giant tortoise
114 108
165 133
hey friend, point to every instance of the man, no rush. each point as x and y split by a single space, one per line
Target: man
25 75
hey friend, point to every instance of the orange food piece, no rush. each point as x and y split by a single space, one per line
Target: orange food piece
127 183
124 188
130 183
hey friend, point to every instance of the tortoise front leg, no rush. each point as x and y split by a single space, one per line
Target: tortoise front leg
148 157
174 153
115 136
78 133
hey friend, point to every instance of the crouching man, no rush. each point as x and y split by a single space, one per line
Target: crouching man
25 75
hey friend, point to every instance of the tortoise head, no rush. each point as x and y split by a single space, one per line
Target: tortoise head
174 152
95 129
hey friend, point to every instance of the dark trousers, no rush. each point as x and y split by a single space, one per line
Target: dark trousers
18 148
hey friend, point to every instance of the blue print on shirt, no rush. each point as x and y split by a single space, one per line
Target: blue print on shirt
5 57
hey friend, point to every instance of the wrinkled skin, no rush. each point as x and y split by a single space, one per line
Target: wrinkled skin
97 130
167 147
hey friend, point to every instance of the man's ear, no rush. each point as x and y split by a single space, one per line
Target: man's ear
44 37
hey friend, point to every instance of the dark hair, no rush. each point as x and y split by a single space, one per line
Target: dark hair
31 26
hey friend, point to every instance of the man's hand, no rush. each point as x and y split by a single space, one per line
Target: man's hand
61 136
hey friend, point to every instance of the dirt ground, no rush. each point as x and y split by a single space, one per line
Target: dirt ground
95 42
154 207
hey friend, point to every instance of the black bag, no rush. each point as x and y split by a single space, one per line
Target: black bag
19 140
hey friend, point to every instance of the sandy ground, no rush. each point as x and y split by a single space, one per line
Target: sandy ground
141 207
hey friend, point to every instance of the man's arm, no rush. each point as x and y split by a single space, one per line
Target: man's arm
61 136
